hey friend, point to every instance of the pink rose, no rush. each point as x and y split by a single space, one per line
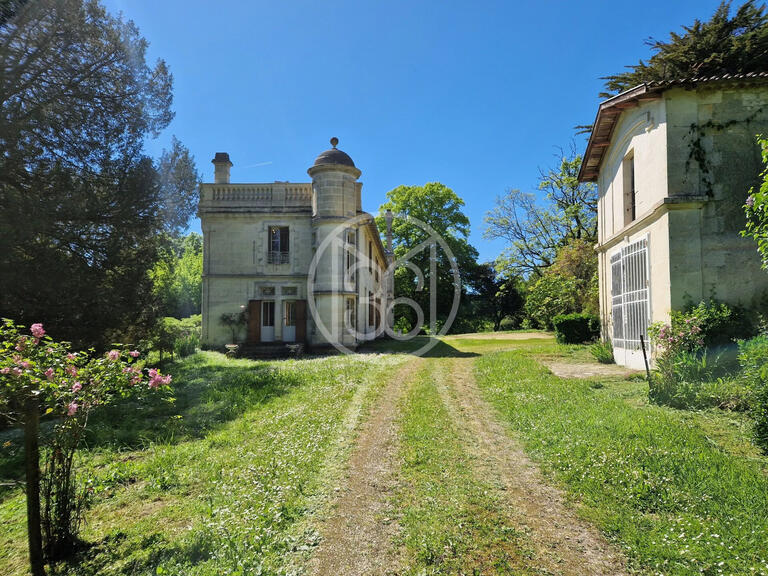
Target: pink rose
5 370
71 356
134 353
49 373
76 387
37 330
72 408
22 344
156 379
72 371
113 355
750 200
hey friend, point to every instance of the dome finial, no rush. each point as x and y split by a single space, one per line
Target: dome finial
334 141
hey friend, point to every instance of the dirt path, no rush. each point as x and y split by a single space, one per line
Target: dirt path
587 370
358 538
563 543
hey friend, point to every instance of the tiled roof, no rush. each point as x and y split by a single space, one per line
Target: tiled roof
609 111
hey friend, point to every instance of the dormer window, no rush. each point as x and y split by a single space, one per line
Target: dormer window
278 245
630 196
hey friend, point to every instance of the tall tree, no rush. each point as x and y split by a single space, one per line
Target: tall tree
81 207
178 277
494 298
535 232
726 43
440 208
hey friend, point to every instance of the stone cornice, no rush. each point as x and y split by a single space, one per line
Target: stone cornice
680 202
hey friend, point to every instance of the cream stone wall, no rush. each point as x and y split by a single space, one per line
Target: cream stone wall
709 257
642 133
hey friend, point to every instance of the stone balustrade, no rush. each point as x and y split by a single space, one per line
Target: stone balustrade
257 197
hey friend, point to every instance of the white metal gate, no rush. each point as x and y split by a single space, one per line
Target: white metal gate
630 303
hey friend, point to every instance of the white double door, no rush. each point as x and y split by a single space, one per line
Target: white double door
288 319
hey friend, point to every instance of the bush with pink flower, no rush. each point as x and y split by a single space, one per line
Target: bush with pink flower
42 377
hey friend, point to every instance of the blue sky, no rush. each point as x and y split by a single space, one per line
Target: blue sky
477 95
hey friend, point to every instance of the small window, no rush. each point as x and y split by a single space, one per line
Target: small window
267 290
370 257
289 290
290 313
350 314
630 194
371 309
268 313
279 245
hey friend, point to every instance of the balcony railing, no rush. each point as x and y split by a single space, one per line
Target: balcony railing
275 257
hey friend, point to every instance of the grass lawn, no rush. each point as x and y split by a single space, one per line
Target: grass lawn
682 492
450 518
221 481
232 477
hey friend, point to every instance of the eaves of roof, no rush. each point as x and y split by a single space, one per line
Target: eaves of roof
610 110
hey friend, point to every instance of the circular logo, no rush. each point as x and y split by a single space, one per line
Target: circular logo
343 279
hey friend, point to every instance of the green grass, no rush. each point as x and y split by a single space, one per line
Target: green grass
450 520
220 482
681 492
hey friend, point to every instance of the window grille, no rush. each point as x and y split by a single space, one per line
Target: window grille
630 304
279 244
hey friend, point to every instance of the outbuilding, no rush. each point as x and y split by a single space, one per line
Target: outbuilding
673 162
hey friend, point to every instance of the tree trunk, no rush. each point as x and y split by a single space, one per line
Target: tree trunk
32 462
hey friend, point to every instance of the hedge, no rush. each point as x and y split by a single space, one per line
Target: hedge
576 328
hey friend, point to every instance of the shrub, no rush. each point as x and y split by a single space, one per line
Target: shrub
679 364
753 358
186 345
719 322
602 351
41 376
550 296
177 337
576 328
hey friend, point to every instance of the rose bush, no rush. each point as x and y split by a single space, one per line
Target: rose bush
39 376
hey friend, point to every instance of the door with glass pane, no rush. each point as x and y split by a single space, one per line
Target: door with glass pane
289 321
268 321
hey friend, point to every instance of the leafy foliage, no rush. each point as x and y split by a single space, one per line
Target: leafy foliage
550 296
180 337
536 233
756 208
576 328
38 373
491 298
440 208
178 277
77 100
753 358
602 351
726 44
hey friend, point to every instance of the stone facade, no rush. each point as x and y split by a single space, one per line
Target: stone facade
302 260
673 163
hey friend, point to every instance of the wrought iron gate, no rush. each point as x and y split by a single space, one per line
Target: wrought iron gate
629 295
